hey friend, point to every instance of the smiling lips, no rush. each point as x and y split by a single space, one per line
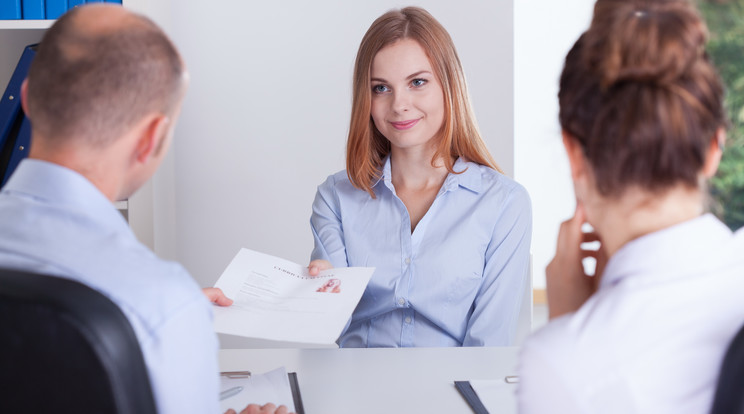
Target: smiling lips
405 124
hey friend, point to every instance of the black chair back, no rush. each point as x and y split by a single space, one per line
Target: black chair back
729 396
65 347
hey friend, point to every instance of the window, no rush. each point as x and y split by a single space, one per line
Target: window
725 19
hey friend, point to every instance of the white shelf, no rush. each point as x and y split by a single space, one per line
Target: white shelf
26 24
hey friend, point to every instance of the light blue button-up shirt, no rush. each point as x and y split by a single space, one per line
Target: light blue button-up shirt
457 280
54 221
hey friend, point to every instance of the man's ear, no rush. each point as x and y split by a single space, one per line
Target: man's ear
24 94
153 132
714 154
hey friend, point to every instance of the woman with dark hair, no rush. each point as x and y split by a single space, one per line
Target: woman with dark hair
641 109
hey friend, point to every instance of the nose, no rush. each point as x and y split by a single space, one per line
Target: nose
401 101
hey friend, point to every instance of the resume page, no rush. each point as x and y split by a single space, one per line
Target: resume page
278 300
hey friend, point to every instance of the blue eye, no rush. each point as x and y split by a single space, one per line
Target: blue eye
418 82
380 89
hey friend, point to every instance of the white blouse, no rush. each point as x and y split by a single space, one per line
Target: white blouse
652 338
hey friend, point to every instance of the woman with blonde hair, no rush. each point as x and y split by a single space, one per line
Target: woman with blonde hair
641 108
422 200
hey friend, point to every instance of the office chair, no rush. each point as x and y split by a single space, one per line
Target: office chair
729 396
65 347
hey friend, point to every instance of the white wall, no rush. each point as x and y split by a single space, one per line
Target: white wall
544 32
266 116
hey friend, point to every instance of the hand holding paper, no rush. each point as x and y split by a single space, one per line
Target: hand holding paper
278 300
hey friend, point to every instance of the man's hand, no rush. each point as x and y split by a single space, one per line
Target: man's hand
216 296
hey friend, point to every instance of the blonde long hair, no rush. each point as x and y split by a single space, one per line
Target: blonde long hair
459 137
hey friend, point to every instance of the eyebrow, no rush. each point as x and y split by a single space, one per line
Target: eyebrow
411 76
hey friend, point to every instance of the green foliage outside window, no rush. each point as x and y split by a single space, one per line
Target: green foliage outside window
725 19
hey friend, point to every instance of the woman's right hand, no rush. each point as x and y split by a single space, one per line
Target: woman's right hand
316 266
568 286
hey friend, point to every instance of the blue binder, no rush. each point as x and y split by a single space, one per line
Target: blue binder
33 9
15 129
94 1
10 9
113 1
55 8
73 3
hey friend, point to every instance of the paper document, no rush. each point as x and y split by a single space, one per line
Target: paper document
278 300
271 387
497 395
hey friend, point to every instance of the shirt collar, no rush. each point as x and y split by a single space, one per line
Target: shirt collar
467 175
686 247
63 187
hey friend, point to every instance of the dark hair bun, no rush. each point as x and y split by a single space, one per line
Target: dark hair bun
645 41
640 95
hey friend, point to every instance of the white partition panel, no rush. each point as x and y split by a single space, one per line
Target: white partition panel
266 116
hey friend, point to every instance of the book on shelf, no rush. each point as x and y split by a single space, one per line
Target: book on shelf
55 8
10 10
33 10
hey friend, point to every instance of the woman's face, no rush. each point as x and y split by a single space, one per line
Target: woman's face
407 98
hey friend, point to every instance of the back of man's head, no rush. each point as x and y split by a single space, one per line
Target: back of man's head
99 70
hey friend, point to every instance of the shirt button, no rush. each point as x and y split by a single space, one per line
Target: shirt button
408 319
408 260
401 301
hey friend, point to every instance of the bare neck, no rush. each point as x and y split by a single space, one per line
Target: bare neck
413 169
638 213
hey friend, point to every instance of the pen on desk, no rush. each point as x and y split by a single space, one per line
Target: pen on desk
236 374
511 379
229 393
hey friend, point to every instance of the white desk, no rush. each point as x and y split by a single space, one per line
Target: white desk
402 380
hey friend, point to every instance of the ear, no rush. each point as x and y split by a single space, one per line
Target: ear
152 133
714 154
575 156
24 93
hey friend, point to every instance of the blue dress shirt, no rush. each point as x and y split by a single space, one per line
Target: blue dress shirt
457 280
54 221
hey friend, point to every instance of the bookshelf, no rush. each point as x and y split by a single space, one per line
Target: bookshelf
25 24
16 34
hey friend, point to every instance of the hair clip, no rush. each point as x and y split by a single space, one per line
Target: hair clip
640 13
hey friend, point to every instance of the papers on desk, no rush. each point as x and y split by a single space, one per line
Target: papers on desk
276 299
271 387
489 396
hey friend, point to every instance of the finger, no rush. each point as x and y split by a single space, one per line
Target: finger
282 410
580 214
251 409
221 299
268 408
589 237
318 265
230 411
570 233
589 253
216 296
